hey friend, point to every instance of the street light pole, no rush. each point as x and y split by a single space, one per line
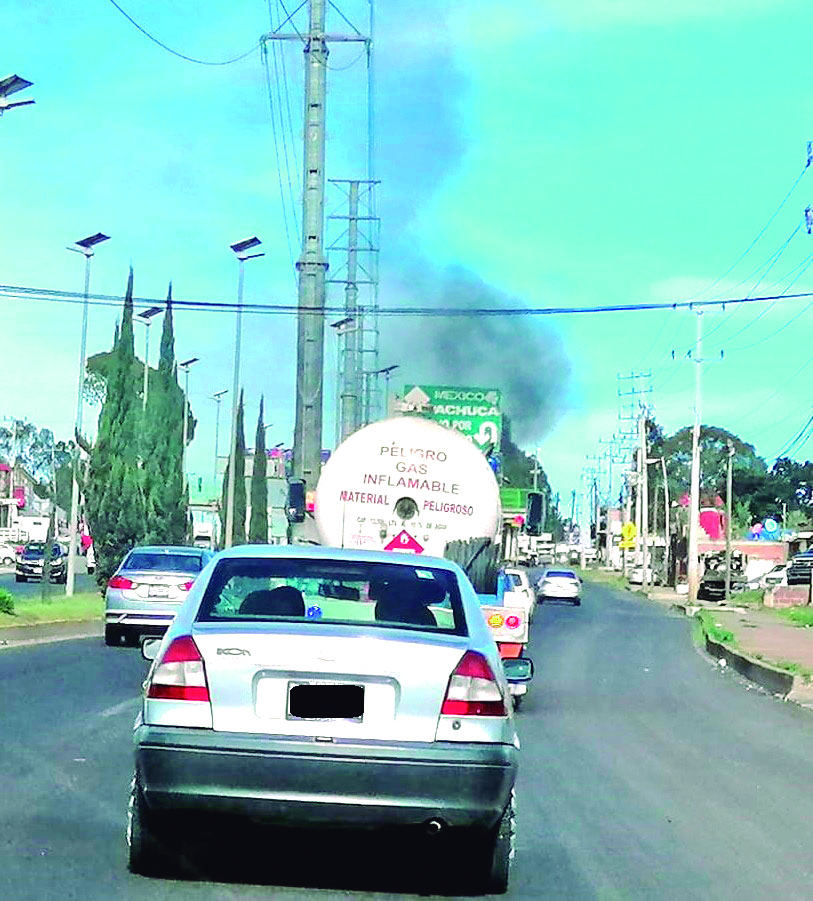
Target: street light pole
694 505
387 371
217 397
243 251
185 366
84 246
144 318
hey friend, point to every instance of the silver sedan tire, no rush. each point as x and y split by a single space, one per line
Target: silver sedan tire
145 848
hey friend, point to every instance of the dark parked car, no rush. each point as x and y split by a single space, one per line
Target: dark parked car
712 585
800 568
30 563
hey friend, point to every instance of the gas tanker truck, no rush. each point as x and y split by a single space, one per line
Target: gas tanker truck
406 484
409 485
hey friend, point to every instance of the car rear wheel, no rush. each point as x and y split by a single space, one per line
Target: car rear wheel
145 848
19 578
577 602
497 853
112 636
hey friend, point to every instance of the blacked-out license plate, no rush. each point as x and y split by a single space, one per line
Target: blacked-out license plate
308 701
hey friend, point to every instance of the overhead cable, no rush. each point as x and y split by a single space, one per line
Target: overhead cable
762 231
19 292
189 59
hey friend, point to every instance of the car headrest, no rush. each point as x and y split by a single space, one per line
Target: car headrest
284 600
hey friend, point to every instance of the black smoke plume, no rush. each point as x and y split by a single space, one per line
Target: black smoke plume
520 355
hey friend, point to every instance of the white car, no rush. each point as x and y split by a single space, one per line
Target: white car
8 555
560 584
636 576
518 591
771 579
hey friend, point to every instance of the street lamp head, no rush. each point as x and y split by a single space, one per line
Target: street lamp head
148 314
243 248
342 322
13 83
10 85
187 363
92 240
218 394
386 370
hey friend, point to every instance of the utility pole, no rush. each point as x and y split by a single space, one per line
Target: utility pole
666 530
638 508
627 515
729 507
644 469
312 264
694 505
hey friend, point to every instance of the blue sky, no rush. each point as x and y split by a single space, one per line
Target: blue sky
574 152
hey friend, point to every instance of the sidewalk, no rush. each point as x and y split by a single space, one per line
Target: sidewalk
767 648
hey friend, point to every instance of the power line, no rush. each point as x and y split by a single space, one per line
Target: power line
798 441
761 232
58 296
770 263
283 201
189 59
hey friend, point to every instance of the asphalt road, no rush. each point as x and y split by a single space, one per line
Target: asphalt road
646 773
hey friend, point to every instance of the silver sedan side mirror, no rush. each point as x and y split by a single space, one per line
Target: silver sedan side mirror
518 669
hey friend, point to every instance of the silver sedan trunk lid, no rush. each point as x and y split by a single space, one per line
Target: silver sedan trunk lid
332 683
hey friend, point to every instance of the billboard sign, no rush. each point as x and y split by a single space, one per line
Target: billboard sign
474 412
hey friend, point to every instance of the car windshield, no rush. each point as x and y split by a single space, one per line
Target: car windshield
334 591
514 580
560 574
37 551
157 561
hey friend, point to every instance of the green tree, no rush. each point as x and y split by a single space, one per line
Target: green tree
258 521
115 504
518 472
239 526
165 494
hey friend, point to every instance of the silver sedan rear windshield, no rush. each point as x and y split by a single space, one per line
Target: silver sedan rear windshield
150 561
414 598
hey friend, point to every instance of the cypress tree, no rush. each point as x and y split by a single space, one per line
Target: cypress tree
162 447
115 504
239 527
258 521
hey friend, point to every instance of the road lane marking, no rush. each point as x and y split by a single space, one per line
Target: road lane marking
123 707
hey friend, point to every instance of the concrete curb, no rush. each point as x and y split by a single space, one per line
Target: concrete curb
46 633
776 681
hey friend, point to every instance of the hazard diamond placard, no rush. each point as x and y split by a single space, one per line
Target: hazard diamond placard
404 543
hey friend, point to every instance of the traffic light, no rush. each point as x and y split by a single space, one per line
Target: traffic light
533 513
295 507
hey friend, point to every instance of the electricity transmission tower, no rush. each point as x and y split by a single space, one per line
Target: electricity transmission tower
359 241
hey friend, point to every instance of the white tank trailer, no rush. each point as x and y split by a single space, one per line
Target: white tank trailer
406 484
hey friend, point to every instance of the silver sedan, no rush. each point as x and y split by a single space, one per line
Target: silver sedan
147 590
304 686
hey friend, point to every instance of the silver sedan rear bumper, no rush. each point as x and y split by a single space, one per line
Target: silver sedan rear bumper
305 781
